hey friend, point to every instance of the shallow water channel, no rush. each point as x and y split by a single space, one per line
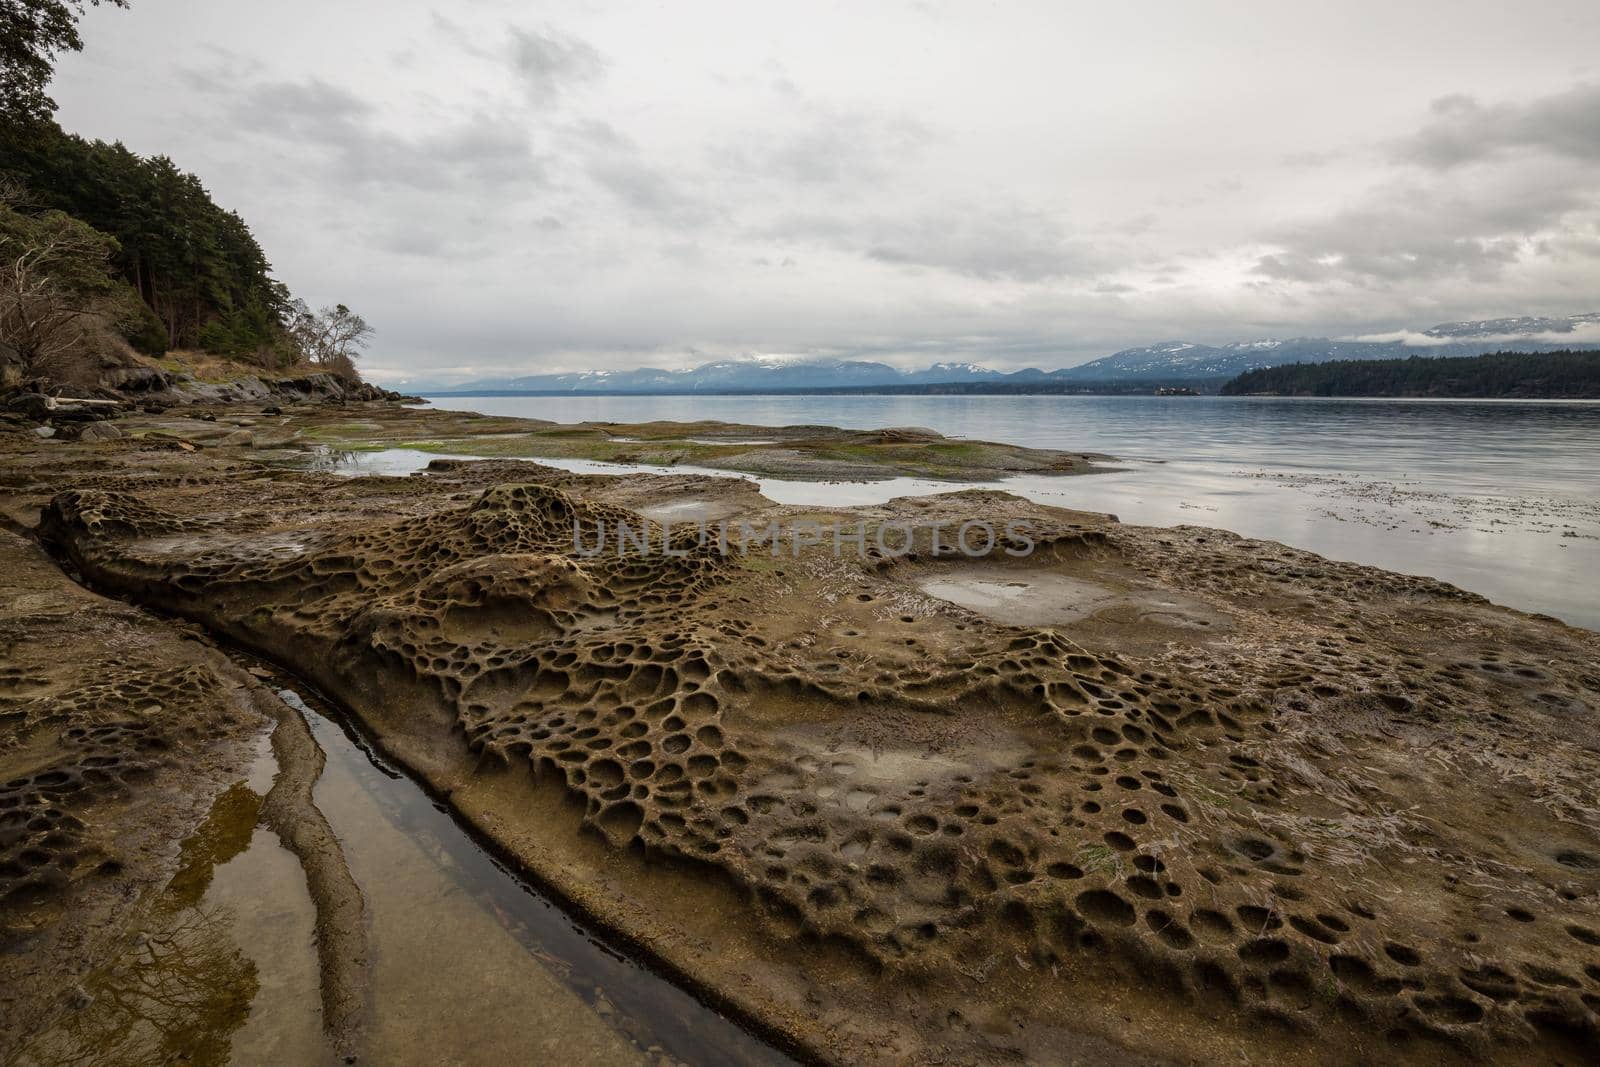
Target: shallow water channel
469 964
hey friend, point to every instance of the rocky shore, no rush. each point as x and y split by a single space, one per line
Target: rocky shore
153 392
1075 791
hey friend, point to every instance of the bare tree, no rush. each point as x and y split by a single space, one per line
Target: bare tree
55 286
331 337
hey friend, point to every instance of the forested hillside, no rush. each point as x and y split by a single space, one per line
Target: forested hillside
100 242
1563 374
193 264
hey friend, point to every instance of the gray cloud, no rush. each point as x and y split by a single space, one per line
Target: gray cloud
674 184
1410 232
1462 130
972 240
831 146
1575 245
313 109
1415 232
549 62
1534 177
648 192
323 120
1016 245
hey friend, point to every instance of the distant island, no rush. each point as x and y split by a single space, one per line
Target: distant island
1562 375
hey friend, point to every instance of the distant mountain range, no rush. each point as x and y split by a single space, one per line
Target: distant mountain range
1180 359
736 376
1170 362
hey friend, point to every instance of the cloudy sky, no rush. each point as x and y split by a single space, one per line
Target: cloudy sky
560 186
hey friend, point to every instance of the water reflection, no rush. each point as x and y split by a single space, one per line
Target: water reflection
351 462
183 987
1471 445
1499 497
470 964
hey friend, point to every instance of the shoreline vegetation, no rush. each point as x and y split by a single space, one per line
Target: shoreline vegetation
1565 375
884 807
110 259
109 256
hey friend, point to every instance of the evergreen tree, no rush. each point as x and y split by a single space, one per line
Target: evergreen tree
199 273
32 34
1565 374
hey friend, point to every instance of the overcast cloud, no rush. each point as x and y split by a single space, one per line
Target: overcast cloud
531 187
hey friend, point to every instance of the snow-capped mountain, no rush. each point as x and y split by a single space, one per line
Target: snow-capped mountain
1168 361
1522 326
728 375
950 372
1182 359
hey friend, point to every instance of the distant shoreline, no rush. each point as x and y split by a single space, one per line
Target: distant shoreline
1560 375
1205 387
430 395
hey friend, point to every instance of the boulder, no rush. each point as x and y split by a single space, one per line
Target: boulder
238 439
75 411
35 406
136 380
101 431
146 385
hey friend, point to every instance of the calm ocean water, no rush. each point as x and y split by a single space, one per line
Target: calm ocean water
1499 497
